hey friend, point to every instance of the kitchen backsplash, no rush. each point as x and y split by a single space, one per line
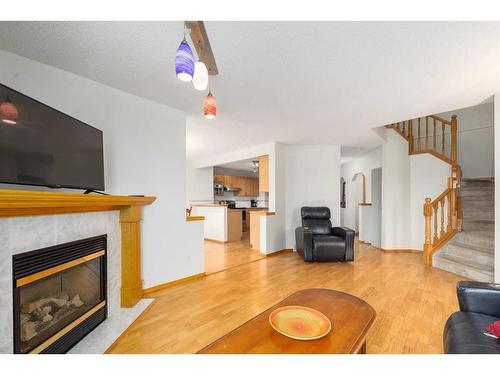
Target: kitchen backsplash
262 199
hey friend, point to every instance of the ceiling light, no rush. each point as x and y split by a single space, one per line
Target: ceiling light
8 112
210 107
255 166
184 62
200 79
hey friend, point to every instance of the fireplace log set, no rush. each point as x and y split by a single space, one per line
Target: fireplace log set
39 315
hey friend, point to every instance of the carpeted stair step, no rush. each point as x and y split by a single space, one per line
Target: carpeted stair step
478 193
480 239
469 254
463 267
479 225
478 213
477 182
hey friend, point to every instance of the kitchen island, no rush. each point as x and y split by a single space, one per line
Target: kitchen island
221 224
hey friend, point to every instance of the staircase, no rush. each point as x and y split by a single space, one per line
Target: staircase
470 253
460 222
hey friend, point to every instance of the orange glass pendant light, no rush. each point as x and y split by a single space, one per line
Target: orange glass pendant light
210 106
8 112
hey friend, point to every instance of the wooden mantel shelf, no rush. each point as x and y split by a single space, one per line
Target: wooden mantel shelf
28 203
23 202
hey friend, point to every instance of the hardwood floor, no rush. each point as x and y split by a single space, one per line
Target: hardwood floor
412 302
220 256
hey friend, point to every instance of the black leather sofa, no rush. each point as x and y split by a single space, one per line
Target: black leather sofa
479 307
318 241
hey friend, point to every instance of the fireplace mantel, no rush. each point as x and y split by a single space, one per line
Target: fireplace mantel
29 203
23 202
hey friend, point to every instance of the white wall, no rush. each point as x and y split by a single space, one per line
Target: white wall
406 182
428 179
144 153
272 228
199 184
312 179
370 227
396 232
497 186
475 139
364 164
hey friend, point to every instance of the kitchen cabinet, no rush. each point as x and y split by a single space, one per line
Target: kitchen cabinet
249 185
218 178
264 173
255 227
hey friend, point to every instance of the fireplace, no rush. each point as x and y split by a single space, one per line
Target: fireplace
59 295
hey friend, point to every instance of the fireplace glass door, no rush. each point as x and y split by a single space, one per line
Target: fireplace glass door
51 302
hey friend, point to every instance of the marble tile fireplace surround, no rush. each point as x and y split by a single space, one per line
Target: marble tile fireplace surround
25 233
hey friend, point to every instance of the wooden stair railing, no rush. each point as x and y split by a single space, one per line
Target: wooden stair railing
443 216
430 134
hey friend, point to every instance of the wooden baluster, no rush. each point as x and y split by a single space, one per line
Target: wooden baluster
404 129
428 241
443 139
454 139
450 207
434 123
419 143
426 132
436 223
410 137
442 232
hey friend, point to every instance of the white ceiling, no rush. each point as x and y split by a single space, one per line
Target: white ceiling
291 82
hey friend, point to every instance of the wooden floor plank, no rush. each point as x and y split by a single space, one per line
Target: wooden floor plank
222 256
412 302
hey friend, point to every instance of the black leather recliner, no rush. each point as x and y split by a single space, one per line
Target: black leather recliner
479 307
317 241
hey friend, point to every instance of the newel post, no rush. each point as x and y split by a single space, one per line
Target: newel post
428 242
454 139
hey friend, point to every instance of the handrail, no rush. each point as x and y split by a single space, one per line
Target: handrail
440 119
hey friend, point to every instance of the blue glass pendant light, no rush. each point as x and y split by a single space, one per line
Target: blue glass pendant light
184 62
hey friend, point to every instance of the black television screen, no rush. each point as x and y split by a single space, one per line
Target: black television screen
42 146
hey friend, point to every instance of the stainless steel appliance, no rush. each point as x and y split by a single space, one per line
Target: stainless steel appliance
218 188
232 189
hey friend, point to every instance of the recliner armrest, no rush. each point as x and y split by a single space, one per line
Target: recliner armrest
348 235
342 231
479 297
304 242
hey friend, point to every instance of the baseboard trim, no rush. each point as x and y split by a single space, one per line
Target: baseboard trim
173 283
216 241
279 252
413 251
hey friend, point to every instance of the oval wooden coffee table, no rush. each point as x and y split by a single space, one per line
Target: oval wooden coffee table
351 318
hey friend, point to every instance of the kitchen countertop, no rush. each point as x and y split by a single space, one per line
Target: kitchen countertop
208 205
249 208
225 205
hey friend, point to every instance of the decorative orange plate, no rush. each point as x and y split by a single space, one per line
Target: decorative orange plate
299 322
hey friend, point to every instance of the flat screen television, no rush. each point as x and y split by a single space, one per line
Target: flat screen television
42 146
